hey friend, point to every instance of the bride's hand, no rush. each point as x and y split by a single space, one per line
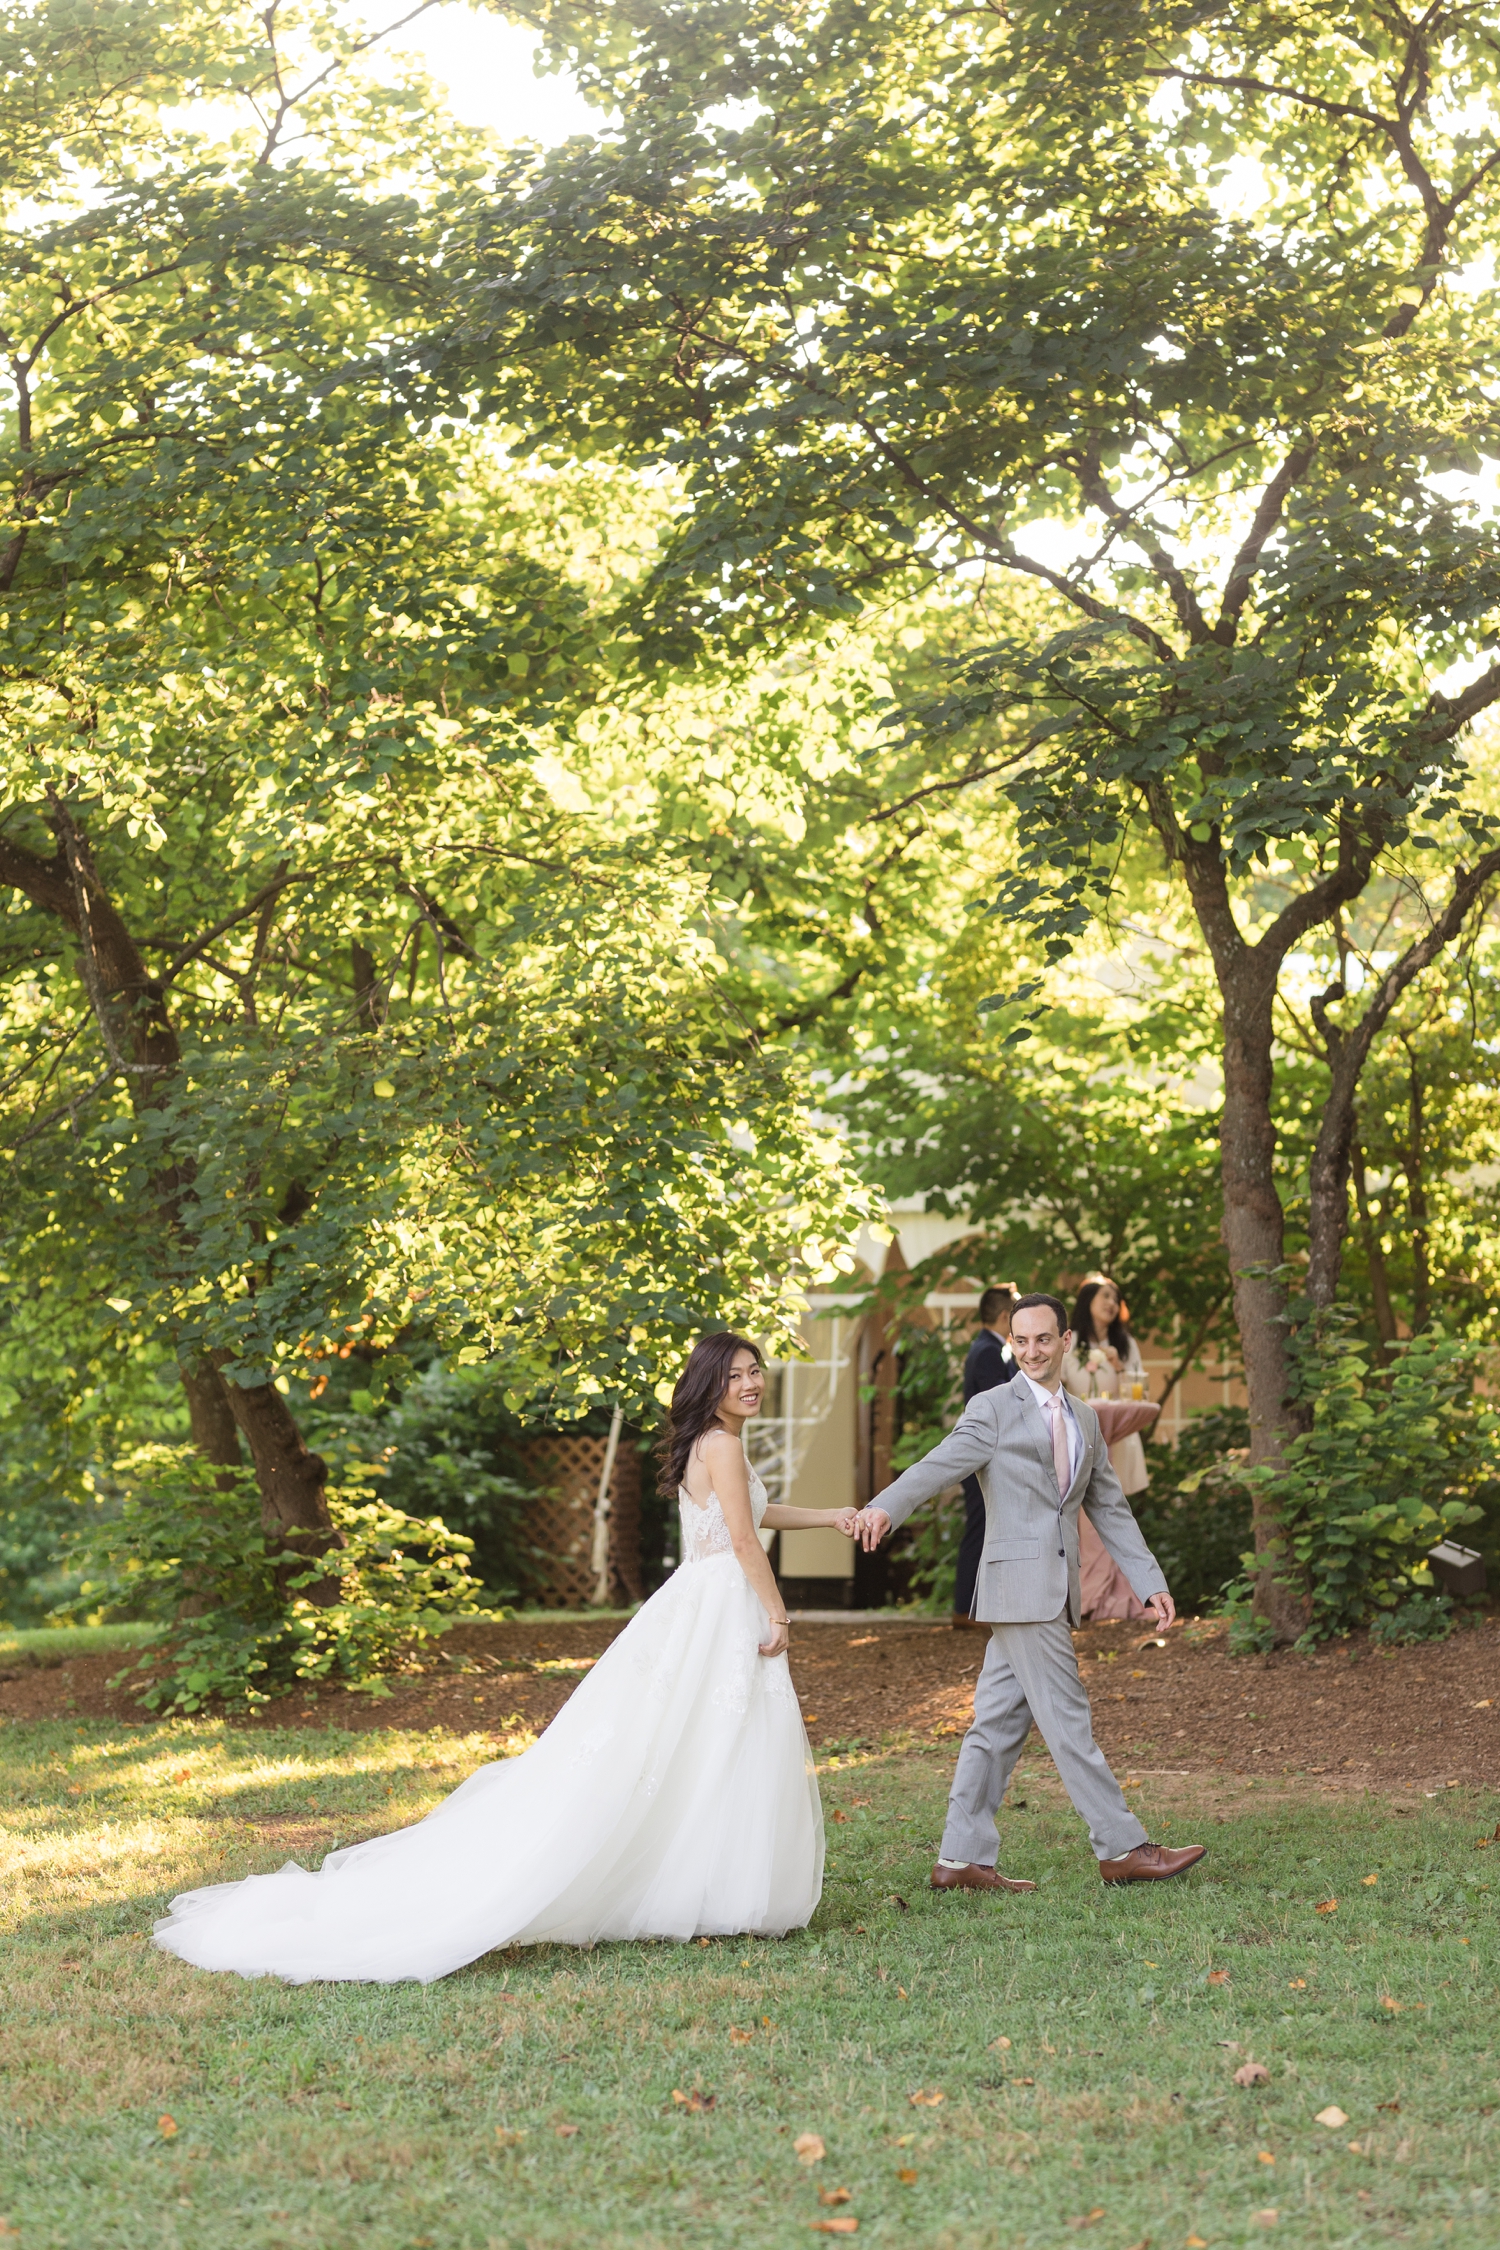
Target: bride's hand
780 1639
846 1520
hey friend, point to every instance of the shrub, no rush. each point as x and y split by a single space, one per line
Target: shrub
187 1547
447 1444
1195 1513
1390 1464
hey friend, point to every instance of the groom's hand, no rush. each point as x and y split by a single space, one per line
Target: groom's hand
872 1525
1162 1608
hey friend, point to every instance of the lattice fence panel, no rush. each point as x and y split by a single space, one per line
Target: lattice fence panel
567 1470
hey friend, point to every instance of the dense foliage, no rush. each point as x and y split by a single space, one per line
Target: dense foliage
1392 1462
1159 339
240 1619
322 1016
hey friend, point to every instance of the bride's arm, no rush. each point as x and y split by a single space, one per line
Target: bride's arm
731 1477
810 1519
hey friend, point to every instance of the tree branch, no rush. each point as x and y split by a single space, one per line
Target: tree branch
1267 516
1096 492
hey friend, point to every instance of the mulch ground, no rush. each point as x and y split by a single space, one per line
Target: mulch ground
1350 1715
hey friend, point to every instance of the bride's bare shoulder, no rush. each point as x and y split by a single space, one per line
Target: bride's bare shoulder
724 1455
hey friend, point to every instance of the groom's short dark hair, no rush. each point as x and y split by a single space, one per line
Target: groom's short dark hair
1040 1297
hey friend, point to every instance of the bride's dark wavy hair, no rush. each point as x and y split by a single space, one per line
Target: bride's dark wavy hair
695 1401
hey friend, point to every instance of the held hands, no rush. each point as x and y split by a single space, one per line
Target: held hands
845 1520
871 1525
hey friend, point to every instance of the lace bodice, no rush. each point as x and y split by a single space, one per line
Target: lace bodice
704 1531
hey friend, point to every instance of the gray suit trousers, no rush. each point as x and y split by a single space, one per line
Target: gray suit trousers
1031 1673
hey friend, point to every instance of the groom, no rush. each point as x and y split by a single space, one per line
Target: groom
1039 1457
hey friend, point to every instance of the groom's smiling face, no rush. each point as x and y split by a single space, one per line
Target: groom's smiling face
1037 1347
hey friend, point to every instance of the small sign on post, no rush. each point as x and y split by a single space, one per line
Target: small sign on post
1458 1570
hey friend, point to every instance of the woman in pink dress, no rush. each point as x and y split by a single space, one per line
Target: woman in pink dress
1105 1363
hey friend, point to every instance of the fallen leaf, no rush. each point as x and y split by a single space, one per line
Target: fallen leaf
999 2044
1196 2242
1327 1906
565 2132
907 2176
695 2101
1266 2218
835 2195
738 2038
809 2148
766 2024
901 1992
1395 2006
166 2126
926 2097
509 2138
841 1816
1215 1976
70 1964
1357 2148
1252 2074
1088 2218
835 2226
1483 1704
1333 2117
1296 1984
1023 2081
1387 2105
898 1900
1264 2155
1137 1675
1367 1880
1482 1843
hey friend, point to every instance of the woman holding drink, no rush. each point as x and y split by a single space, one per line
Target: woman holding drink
1105 1363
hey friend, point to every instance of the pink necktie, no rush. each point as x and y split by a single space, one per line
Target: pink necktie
1059 1443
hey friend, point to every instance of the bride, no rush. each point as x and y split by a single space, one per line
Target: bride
673 1796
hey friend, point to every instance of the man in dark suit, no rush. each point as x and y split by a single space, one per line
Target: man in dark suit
989 1364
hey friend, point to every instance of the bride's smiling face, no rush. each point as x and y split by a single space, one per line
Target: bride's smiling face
746 1386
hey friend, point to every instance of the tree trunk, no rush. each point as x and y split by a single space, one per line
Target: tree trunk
1416 1205
210 1415
293 1501
1254 1235
140 1041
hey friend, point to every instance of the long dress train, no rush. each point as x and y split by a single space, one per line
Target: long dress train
673 1796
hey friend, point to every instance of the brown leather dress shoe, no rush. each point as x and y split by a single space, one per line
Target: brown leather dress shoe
1151 1863
972 1878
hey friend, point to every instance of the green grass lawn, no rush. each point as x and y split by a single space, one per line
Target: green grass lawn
538 2099
61 1644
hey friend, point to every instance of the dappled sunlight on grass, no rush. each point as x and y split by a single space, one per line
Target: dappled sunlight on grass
980 2071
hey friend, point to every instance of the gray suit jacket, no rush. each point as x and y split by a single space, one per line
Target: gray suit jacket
1029 1569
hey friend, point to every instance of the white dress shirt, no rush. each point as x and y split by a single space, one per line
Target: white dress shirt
1070 1419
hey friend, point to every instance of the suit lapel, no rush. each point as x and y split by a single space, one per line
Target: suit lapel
1085 1453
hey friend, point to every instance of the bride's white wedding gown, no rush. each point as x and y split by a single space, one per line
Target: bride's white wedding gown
673 1796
